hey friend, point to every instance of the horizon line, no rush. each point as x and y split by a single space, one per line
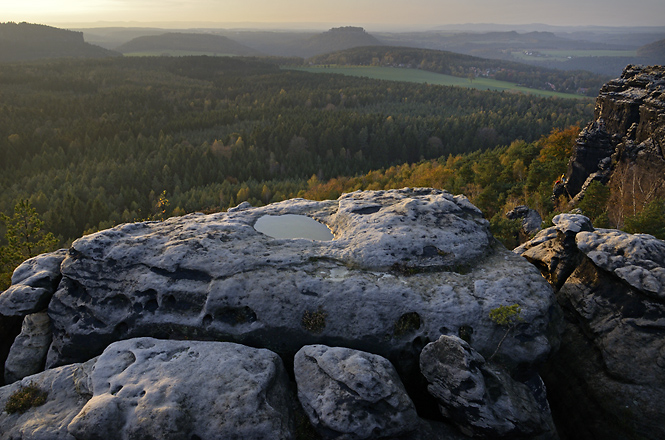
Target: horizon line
302 25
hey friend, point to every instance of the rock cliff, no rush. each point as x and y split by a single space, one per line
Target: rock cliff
143 317
610 370
27 41
624 147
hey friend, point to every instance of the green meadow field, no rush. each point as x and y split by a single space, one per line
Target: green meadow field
424 77
175 53
562 55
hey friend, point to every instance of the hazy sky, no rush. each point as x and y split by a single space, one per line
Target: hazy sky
424 12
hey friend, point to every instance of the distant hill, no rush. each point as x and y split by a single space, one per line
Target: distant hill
337 39
606 56
653 50
529 40
26 41
186 42
490 44
466 66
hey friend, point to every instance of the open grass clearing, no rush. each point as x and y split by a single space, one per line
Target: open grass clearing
176 53
424 77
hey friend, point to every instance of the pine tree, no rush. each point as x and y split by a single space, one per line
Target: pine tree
650 221
25 239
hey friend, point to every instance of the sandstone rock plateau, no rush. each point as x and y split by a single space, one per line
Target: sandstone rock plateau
405 267
609 373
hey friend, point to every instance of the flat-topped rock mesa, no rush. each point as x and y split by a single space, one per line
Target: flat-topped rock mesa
405 267
27 41
624 146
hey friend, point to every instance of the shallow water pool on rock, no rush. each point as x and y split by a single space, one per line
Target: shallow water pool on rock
293 226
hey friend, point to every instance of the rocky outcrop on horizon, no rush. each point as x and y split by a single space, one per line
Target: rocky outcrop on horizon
624 147
610 370
144 316
336 39
27 41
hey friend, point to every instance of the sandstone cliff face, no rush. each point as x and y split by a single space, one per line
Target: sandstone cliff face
151 309
610 370
624 146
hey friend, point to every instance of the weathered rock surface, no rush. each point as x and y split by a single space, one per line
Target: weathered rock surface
623 147
554 250
640 262
482 399
68 392
405 267
592 147
149 388
611 366
28 352
530 224
33 284
352 394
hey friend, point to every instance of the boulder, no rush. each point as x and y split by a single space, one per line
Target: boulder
531 220
33 284
481 398
610 369
67 392
405 266
553 250
150 388
28 352
352 394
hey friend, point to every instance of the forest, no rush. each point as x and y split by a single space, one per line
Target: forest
89 144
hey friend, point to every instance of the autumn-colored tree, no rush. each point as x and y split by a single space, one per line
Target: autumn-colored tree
162 204
558 146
